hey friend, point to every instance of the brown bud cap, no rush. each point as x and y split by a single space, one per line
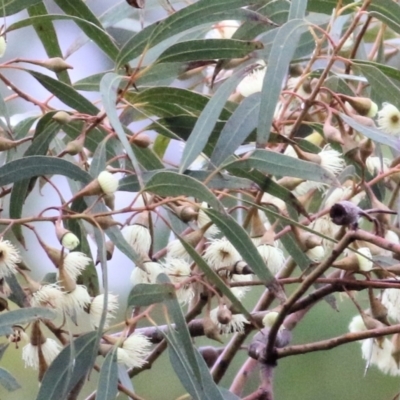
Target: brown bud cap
224 315
257 228
290 183
76 146
3 304
378 310
186 213
332 134
62 117
349 263
211 329
109 199
306 156
54 254
363 105
142 140
55 64
37 338
306 240
367 147
396 348
7 144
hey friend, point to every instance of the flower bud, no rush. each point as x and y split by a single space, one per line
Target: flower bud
269 319
107 182
3 45
332 134
74 147
378 309
211 329
363 105
62 117
69 240
142 140
55 64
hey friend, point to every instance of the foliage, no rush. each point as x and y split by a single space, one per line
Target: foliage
284 177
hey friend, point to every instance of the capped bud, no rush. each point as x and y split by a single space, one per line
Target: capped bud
211 329
55 64
396 348
3 304
306 240
363 105
366 121
142 140
7 144
106 222
378 310
69 240
186 213
367 147
314 138
257 228
3 45
107 182
62 117
269 319
109 199
332 134
74 147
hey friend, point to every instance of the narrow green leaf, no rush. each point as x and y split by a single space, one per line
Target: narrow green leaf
5 125
66 93
45 131
386 11
107 388
282 51
101 37
108 86
389 71
29 167
166 183
201 12
71 365
326 6
213 277
241 123
79 9
279 164
8 381
182 330
147 294
22 316
208 49
22 128
382 87
297 9
48 36
9 7
372 133
207 120
242 243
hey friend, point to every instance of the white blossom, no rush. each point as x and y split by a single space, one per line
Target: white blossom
30 353
96 309
389 119
153 269
134 351
236 324
178 271
138 236
75 263
272 256
252 82
221 254
9 257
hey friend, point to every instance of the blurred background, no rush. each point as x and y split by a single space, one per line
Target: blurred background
332 375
